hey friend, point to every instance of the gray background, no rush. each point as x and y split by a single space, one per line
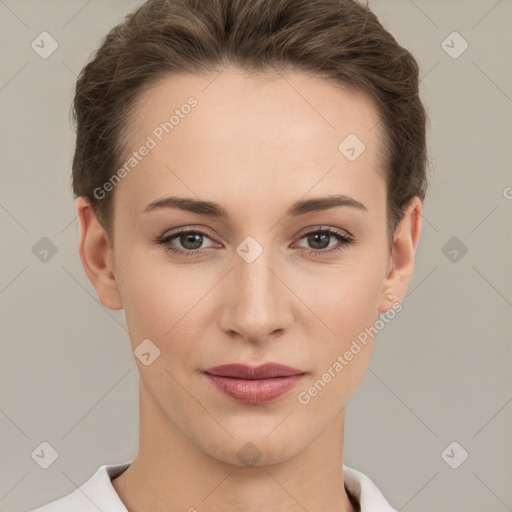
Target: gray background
440 372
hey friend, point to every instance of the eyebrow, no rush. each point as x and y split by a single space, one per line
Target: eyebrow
216 210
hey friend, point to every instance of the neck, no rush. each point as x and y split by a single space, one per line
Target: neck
172 473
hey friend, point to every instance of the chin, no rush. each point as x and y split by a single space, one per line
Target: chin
253 455
254 448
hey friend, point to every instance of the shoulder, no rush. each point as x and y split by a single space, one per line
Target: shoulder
95 494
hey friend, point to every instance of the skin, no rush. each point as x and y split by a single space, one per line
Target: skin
254 144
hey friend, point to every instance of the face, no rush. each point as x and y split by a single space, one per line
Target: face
265 282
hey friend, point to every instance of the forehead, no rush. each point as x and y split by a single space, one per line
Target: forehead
253 135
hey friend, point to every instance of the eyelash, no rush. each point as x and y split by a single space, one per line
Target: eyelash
344 241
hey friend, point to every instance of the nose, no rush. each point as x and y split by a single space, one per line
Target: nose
257 307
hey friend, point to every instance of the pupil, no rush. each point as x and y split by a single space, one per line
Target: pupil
314 238
191 237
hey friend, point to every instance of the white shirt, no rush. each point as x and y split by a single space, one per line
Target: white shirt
98 493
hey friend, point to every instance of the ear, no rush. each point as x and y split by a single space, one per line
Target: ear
405 241
97 256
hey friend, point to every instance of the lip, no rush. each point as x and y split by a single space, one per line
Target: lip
254 385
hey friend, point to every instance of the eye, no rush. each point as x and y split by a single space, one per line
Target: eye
189 239
320 239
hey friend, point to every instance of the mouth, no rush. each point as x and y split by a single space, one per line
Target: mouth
254 385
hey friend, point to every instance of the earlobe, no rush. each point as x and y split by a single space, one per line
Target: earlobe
403 251
97 256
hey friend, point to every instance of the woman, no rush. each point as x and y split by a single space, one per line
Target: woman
249 177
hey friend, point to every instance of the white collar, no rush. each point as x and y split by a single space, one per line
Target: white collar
99 493
365 491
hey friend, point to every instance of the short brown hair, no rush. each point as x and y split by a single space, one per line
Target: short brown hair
341 40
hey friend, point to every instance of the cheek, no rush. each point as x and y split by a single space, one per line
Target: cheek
340 360
347 306
160 300
345 299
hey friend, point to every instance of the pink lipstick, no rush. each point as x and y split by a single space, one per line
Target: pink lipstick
254 384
